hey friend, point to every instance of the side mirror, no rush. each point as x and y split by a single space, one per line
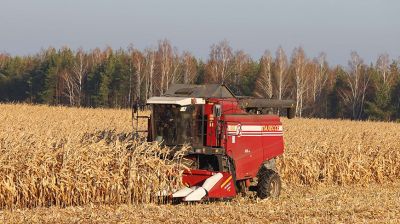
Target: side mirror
217 110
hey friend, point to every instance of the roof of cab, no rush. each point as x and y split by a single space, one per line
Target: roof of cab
200 91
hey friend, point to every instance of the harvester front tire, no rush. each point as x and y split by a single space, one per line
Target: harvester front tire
269 184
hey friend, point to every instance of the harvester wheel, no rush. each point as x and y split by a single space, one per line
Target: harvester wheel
269 184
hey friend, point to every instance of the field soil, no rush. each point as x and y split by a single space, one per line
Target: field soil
331 204
69 165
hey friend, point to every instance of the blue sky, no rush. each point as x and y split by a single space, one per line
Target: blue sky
336 27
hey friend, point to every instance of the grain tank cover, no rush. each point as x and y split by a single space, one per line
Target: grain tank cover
199 91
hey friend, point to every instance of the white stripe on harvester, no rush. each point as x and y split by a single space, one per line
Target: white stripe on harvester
251 128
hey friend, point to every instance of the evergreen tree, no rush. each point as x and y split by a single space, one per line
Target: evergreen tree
379 108
335 103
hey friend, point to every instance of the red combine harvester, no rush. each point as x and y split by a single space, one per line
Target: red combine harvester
233 140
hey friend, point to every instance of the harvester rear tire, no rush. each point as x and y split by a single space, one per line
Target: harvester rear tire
269 184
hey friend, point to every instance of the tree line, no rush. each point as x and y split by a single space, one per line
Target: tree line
117 78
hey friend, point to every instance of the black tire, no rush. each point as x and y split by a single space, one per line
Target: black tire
269 184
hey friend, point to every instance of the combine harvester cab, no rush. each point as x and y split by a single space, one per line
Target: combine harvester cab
233 140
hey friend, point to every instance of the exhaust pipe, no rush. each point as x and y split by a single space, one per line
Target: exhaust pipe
202 191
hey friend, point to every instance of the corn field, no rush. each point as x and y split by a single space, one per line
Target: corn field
340 152
68 156
58 156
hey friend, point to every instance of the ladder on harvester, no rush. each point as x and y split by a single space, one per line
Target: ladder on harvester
136 118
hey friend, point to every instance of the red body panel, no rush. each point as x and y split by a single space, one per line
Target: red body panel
250 140
257 138
228 106
224 188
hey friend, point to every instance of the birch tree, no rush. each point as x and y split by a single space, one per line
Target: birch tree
219 62
70 86
299 63
149 72
189 65
357 80
240 63
264 81
139 63
320 77
176 66
383 68
164 60
79 69
281 72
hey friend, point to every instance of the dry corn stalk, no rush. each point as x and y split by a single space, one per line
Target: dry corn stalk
45 163
340 152
63 156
